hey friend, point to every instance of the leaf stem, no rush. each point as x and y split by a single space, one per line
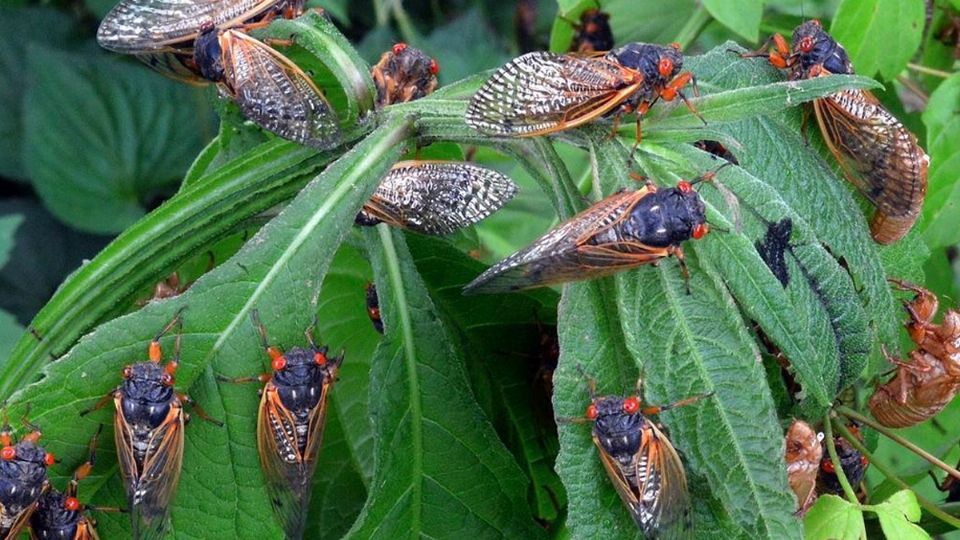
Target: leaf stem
933 460
837 465
693 27
929 506
929 71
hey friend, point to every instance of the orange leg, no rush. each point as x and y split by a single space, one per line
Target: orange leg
198 409
660 408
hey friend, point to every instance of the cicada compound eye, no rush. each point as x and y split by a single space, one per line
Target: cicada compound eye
684 186
827 467
166 379
72 504
631 405
700 231
320 358
592 412
399 48
434 66
8 453
665 67
806 44
278 363
49 459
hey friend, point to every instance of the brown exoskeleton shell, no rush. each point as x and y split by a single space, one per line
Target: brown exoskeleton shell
804 452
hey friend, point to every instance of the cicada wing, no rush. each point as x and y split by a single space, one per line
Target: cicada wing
438 197
277 95
19 523
575 250
664 486
879 156
287 482
176 64
138 26
542 92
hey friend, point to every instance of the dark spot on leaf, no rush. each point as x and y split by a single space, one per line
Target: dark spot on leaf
772 247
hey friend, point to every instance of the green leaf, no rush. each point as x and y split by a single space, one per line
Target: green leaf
8 228
899 515
880 35
278 272
941 213
121 136
741 16
833 518
474 50
10 332
430 432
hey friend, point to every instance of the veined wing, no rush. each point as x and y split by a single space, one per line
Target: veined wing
584 247
273 92
283 469
541 92
138 26
436 197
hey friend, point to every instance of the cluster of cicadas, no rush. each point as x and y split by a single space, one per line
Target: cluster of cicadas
536 94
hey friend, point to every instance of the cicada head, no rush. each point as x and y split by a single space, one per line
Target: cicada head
854 466
617 425
57 516
300 376
668 217
658 64
404 74
208 54
813 46
23 478
146 394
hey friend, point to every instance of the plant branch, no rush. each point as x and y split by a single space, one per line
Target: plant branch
837 465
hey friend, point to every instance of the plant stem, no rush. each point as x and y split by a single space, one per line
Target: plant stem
929 71
694 26
854 415
837 465
929 506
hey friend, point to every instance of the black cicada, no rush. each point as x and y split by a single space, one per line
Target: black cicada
148 431
641 462
436 197
293 407
623 231
541 93
60 515
23 478
206 42
879 156
854 466
404 74
373 307
592 32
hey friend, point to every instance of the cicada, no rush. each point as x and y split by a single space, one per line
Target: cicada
853 463
206 42
876 153
950 485
60 515
804 451
148 431
541 93
623 231
592 32
373 307
23 477
436 197
404 74
926 384
293 407
717 149
643 465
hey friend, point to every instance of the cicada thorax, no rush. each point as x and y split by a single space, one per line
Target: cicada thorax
436 197
404 74
876 153
592 33
23 479
623 231
803 455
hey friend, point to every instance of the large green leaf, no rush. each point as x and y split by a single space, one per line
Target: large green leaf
741 16
880 35
941 216
278 272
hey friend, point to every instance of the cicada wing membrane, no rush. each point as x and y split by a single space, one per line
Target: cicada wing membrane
276 94
20 522
175 64
151 482
878 156
568 253
540 93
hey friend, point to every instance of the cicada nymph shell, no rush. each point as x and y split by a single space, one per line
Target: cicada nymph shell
436 197
804 452
404 74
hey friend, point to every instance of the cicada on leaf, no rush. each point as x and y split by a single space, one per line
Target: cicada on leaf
592 31
642 464
404 74
541 93
803 455
23 477
148 430
623 231
853 463
436 197
60 515
373 307
876 153
293 408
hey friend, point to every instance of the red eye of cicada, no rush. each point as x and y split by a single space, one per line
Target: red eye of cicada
828 467
8 453
592 412
166 379
434 67
320 358
684 186
49 459
71 504
665 67
399 48
278 363
631 405
700 231
806 44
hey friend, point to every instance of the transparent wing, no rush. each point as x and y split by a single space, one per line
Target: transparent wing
663 486
541 92
584 247
433 197
136 26
277 95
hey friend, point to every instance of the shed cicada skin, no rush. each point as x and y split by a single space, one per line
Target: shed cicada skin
927 383
290 421
436 197
404 74
23 477
623 231
541 93
803 454
876 153
640 461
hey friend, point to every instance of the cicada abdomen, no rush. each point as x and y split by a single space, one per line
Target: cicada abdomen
623 231
926 384
643 465
803 455
436 197
592 32
60 515
876 153
23 478
404 74
293 408
541 93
